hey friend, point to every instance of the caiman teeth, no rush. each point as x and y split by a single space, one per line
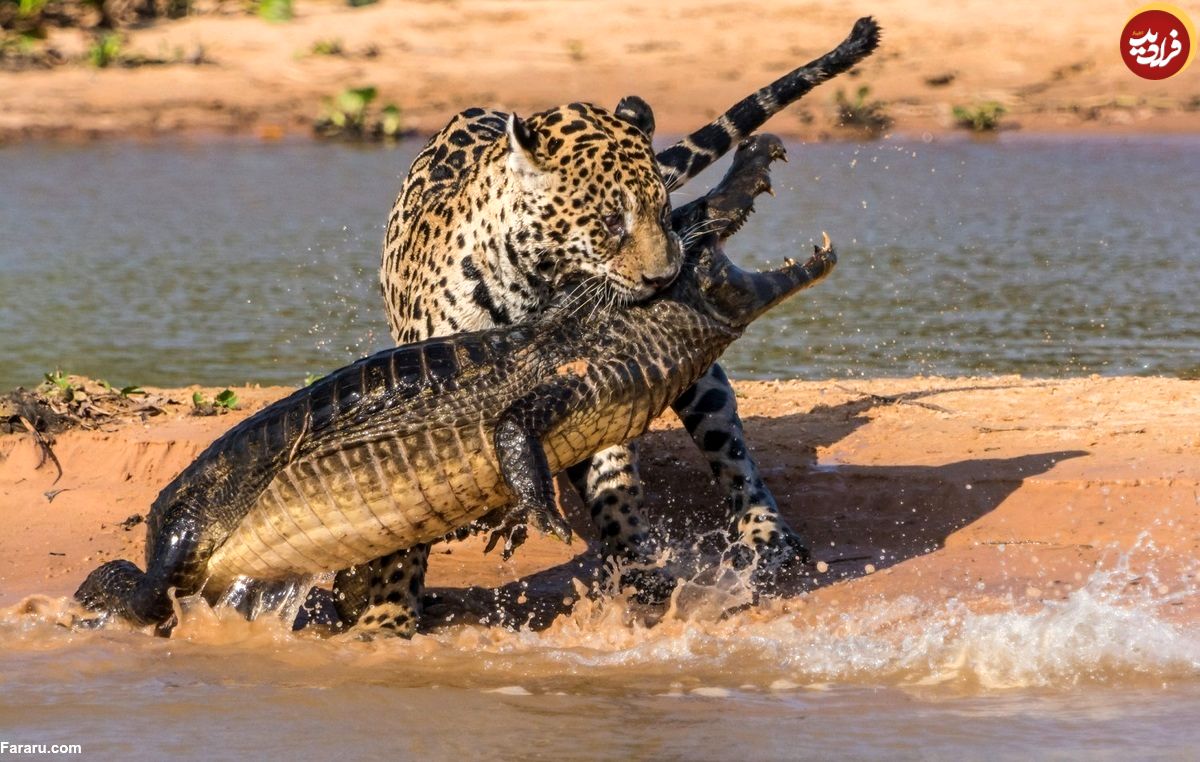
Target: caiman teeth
736 223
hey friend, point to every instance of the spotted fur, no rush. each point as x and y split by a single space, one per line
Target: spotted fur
497 213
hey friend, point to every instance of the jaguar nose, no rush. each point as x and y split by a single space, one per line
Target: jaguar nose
658 282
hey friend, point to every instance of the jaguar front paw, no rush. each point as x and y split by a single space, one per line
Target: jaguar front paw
637 566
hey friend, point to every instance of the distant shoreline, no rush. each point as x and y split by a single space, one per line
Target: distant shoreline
195 137
690 60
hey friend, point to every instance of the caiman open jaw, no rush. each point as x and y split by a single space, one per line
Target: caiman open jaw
738 296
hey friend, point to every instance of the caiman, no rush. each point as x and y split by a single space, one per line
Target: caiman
412 443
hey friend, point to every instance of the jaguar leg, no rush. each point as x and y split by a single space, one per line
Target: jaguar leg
611 487
760 534
383 597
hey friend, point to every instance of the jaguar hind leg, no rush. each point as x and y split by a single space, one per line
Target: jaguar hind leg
611 487
383 597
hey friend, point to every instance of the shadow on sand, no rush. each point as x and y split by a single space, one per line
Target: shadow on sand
850 515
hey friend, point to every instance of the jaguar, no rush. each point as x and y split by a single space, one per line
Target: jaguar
497 214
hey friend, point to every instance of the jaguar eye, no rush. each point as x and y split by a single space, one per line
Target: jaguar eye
666 216
615 223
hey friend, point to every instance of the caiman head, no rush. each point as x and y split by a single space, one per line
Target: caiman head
736 297
708 280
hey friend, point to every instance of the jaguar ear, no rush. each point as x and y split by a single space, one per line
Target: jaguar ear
637 112
522 145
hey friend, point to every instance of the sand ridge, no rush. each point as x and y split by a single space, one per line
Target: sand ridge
991 489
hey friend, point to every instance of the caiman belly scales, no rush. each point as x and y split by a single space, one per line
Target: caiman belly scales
402 474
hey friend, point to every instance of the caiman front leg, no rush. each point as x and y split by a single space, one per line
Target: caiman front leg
524 467
384 596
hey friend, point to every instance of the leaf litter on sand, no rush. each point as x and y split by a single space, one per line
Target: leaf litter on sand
63 402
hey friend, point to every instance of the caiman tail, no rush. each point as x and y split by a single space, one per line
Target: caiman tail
121 588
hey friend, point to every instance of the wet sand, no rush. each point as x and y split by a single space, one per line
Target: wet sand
1001 493
1055 69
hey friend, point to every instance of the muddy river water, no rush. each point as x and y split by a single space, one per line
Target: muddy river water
1098 674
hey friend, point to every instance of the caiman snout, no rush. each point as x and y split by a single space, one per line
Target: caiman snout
739 296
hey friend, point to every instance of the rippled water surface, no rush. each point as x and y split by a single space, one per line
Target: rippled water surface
227 262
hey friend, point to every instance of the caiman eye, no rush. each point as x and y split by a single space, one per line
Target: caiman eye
615 223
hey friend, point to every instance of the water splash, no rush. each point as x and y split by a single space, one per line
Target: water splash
1110 630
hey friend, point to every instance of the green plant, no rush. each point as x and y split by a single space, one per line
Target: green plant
860 113
16 43
224 401
21 24
105 51
125 391
391 126
60 384
331 47
275 10
983 117
30 8
347 111
310 379
348 116
360 3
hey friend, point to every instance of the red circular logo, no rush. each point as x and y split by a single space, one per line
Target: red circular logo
1155 44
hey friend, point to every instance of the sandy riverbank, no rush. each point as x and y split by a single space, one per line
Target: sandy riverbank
1056 69
996 491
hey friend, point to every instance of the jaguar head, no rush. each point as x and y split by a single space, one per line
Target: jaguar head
594 206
